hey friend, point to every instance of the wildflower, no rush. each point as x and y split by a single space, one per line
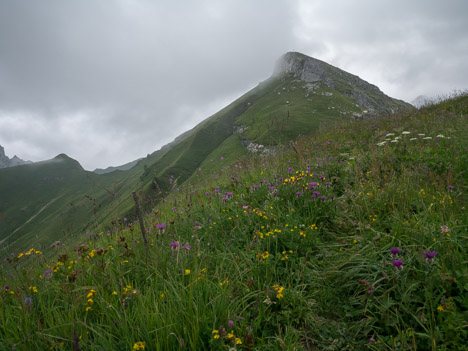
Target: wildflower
33 288
395 251
28 301
372 341
140 345
445 229
398 263
174 244
215 333
440 308
6 288
114 293
450 187
430 255
161 226
187 271
230 323
405 133
88 309
371 290
186 247
230 335
238 341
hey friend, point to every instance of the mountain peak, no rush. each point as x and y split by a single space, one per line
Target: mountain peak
5 161
306 68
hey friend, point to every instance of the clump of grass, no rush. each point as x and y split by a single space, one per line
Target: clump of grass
356 243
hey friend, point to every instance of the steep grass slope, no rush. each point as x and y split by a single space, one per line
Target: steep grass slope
355 239
278 110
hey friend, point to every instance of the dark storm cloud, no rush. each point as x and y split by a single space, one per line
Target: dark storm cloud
110 81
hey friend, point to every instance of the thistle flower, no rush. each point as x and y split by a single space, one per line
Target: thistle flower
395 251
186 247
174 244
398 263
430 255
445 229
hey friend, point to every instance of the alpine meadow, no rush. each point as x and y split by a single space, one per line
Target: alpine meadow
312 213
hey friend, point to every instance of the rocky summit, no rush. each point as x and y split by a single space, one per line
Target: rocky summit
5 161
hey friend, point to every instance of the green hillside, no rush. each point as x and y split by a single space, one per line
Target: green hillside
73 202
353 238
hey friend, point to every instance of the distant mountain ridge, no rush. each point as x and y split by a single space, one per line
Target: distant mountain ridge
5 161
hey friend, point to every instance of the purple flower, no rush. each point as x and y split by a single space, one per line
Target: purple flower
289 169
230 323
229 194
6 288
372 341
450 187
298 193
186 247
328 183
430 255
332 197
174 208
222 158
207 193
197 224
28 301
174 244
90 235
371 290
160 226
445 229
254 187
398 263
323 198
395 250
48 272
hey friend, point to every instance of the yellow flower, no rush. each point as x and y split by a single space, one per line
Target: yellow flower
114 293
440 308
187 271
88 309
238 341
33 288
230 335
140 345
20 255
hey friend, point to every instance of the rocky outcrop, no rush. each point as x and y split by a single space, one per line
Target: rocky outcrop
5 161
313 71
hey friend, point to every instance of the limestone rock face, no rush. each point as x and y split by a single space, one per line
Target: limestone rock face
315 72
303 67
5 161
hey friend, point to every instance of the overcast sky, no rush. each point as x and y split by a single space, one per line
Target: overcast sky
109 81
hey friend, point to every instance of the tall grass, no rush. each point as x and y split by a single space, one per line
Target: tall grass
345 242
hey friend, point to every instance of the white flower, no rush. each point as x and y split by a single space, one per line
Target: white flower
427 138
381 143
413 138
421 134
397 138
440 136
394 141
390 134
405 132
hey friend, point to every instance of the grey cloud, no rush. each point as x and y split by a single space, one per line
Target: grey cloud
110 81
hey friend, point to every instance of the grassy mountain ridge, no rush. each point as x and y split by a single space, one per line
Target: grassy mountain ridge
353 240
276 111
